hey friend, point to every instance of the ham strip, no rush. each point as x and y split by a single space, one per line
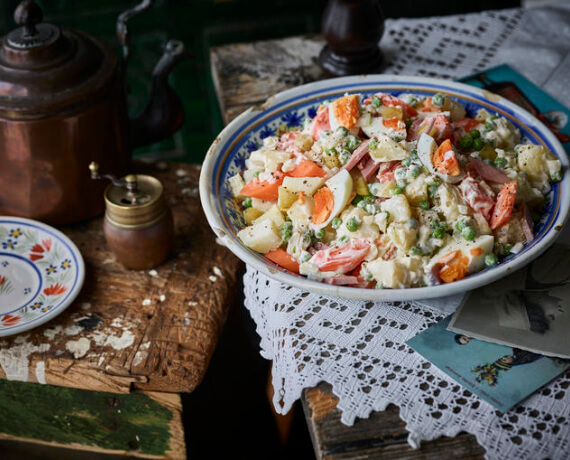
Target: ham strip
488 172
527 224
368 167
357 156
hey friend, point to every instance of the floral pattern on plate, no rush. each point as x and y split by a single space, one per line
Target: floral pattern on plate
41 272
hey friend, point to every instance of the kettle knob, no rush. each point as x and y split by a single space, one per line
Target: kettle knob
28 14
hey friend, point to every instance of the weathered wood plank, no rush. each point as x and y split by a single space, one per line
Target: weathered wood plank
246 74
383 435
138 425
149 330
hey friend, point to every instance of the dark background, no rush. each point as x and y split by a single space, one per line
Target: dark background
229 415
201 24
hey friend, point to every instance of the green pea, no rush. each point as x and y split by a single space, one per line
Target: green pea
493 117
466 142
352 142
247 203
401 183
475 134
375 102
332 152
468 233
500 162
336 222
432 191
256 174
344 156
396 191
490 125
408 123
373 144
406 162
415 251
460 225
320 234
286 230
424 204
491 260
438 233
343 239
478 144
352 224
556 176
342 130
438 99
507 249
415 171
308 236
372 209
444 226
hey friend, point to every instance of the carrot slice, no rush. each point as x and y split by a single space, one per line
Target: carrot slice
324 203
283 258
307 168
264 190
392 101
346 110
445 160
392 123
504 205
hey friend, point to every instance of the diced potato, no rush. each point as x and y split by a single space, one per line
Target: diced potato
391 112
361 186
482 115
303 142
367 228
270 159
538 163
250 214
388 150
236 184
398 208
455 109
272 214
307 185
451 202
488 152
261 237
402 235
286 198
396 273
301 212
383 189
330 159
262 205
417 190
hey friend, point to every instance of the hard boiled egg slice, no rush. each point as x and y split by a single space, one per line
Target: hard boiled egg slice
426 149
341 187
345 111
475 252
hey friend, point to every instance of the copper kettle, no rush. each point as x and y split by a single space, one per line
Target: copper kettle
63 105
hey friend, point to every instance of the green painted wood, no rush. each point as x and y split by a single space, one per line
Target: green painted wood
131 422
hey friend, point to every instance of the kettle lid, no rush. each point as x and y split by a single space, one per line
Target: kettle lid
43 66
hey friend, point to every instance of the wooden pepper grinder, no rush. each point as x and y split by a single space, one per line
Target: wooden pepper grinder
138 224
353 29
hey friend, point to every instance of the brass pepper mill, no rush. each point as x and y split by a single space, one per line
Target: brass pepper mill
138 224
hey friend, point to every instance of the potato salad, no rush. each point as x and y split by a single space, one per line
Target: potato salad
393 192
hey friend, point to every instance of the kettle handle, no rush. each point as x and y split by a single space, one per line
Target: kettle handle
123 31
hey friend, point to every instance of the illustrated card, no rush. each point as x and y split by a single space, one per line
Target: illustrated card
498 374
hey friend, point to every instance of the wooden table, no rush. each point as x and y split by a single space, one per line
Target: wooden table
152 331
245 75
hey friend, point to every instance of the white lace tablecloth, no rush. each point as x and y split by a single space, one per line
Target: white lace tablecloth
358 347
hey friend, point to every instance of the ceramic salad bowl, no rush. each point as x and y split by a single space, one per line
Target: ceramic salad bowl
289 109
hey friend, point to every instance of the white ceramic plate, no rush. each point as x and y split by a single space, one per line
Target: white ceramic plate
227 155
41 273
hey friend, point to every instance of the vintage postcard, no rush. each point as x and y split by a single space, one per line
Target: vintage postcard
498 374
529 309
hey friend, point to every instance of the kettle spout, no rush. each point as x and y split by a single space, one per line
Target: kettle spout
163 114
